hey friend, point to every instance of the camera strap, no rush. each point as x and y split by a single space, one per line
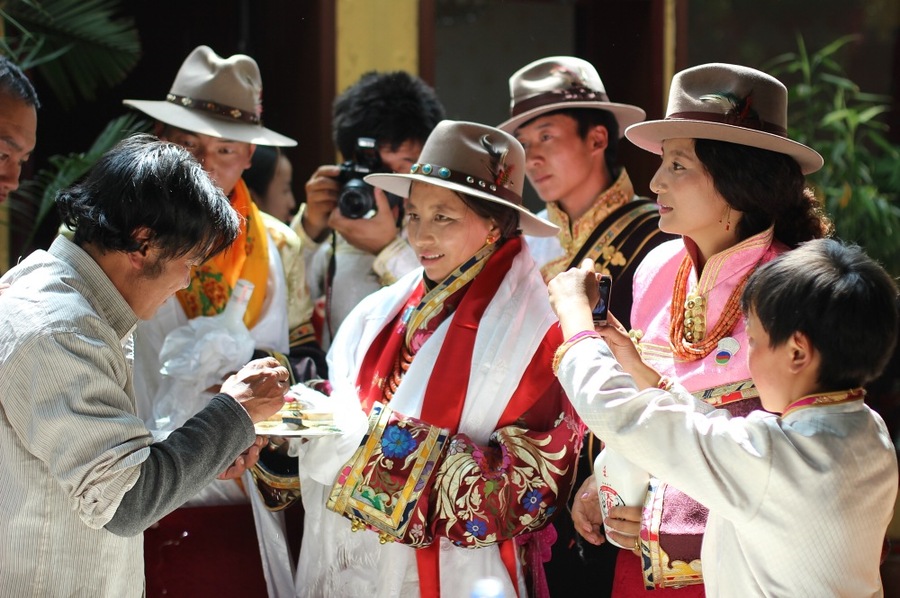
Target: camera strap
329 284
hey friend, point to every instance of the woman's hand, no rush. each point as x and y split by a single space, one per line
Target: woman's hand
623 525
586 514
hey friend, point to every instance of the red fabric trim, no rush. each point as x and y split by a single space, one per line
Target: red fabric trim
535 384
508 556
445 394
428 562
381 355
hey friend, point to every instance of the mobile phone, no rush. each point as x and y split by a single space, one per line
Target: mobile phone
604 284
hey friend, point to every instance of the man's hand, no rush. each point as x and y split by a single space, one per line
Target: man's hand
244 461
322 191
586 514
260 387
370 235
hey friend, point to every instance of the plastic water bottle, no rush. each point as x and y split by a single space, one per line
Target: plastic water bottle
620 483
233 314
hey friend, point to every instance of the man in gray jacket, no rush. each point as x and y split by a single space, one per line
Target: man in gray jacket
81 476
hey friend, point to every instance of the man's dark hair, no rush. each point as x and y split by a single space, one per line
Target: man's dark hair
588 118
841 299
767 187
390 107
145 182
15 84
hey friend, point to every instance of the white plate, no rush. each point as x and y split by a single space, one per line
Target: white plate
305 400
280 428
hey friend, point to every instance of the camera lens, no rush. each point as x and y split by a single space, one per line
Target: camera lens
357 200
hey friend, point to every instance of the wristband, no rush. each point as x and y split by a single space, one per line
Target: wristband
665 383
575 338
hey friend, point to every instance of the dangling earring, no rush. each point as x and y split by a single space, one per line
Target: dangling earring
727 218
492 237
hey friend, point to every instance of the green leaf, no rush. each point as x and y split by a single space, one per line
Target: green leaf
870 113
76 46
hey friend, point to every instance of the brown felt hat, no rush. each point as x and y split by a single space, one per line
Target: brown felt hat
726 102
215 96
559 83
477 160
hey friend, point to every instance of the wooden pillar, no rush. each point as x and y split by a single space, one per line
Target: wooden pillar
636 45
381 35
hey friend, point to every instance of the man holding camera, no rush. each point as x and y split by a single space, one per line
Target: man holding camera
352 233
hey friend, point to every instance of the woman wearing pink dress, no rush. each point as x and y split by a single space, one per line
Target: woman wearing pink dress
732 185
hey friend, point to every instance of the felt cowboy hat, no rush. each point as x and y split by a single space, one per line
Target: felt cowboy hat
473 159
726 102
559 83
215 96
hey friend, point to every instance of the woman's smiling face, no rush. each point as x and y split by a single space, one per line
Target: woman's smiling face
443 230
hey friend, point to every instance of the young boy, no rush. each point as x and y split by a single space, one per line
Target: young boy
799 498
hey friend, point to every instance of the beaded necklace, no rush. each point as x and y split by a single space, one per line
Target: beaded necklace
687 332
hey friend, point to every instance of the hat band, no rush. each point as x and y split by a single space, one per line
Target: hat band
460 178
214 108
731 119
575 93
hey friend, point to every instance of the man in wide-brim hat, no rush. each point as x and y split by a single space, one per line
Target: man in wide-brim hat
214 110
562 115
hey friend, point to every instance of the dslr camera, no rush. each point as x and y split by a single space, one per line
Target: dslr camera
357 199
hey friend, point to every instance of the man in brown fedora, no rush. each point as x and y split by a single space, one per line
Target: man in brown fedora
562 115
213 109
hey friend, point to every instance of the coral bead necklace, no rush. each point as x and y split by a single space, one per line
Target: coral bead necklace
687 331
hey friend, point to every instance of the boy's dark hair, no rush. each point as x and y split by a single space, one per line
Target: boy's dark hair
838 297
767 187
390 107
588 118
145 182
15 84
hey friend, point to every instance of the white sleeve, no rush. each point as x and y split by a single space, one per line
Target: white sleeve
720 461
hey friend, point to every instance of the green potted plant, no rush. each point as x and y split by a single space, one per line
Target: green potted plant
76 47
860 182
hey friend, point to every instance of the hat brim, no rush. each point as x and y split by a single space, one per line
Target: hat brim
649 135
207 124
399 184
625 114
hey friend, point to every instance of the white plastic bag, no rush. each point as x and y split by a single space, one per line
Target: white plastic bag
199 355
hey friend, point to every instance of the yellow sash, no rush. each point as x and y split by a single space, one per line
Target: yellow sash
247 258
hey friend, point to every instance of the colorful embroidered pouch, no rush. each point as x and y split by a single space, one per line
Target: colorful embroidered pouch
381 484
